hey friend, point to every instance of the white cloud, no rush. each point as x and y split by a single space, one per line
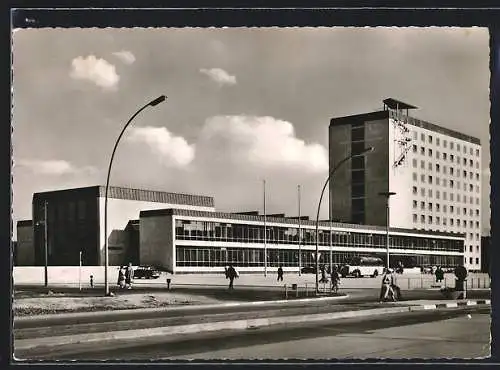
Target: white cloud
96 70
263 142
55 167
125 56
172 150
220 76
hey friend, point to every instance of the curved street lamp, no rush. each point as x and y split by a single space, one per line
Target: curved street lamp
152 103
362 153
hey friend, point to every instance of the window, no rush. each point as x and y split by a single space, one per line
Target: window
415 135
438 168
422 178
429 152
430 179
444 169
464 211
414 190
452 208
471 187
465 149
414 176
444 221
477 248
470 248
477 152
422 164
458 197
430 166
470 260
437 154
414 163
437 191
477 212
414 204
452 183
458 147
422 219
471 163
477 164
451 222
471 175
422 205
429 206
437 141
414 148
477 224
430 193
477 177
429 219
414 217
445 156
471 151
422 137
422 150
430 139
438 220
451 170
464 173
438 207
451 196
444 193
422 192
477 200
465 161
445 143
444 208
452 158
477 261
438 181
451 145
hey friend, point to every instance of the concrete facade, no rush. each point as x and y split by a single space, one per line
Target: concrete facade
25 250
437 185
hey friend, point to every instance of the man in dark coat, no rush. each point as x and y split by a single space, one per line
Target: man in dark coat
280 273
129 275
231 275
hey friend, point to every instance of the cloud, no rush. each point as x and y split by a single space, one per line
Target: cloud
172 150
263 142
55 167
96 70
219 75
125 56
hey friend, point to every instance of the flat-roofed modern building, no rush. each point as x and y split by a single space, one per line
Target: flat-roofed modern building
184 241
75 222
24 251
434 171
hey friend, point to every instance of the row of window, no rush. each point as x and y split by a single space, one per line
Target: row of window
453 197
432 166
437 207
437 221
445 143
471 248
444 156
456 185
438 170
471 260
216 231
251 257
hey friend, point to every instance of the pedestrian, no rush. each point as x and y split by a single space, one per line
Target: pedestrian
386 289
231 275
335 277
129 276
439 274
91 281
121 277
280 273
323 275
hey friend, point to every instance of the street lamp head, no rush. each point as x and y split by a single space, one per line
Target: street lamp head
387 193
158 100
364 151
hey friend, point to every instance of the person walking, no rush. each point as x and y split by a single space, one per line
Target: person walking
280 273
439 274
121 277
386 289
335 277
129 276
231 275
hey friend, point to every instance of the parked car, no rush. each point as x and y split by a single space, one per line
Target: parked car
146 272
308 270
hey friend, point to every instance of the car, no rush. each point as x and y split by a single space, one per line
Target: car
146 272
308 270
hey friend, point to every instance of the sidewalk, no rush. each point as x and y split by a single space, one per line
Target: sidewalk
118 335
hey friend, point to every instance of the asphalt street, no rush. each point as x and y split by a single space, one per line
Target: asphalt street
444 333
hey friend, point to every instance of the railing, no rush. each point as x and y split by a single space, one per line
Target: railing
429 282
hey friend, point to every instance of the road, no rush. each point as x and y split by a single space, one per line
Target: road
448 333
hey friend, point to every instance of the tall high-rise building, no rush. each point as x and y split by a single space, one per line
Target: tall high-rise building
434 172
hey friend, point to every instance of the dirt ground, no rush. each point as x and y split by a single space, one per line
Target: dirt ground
40 304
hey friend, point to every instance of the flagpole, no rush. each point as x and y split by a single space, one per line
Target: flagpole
265 232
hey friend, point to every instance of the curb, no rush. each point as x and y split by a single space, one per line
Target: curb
59 317
66 341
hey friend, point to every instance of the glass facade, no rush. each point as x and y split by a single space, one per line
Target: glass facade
212 256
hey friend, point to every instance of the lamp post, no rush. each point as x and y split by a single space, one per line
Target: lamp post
332 172
387 195
152 103
46 244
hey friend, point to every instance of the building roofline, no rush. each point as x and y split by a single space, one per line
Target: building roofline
288 221
117 192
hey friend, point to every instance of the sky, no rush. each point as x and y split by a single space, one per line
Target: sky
244 105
